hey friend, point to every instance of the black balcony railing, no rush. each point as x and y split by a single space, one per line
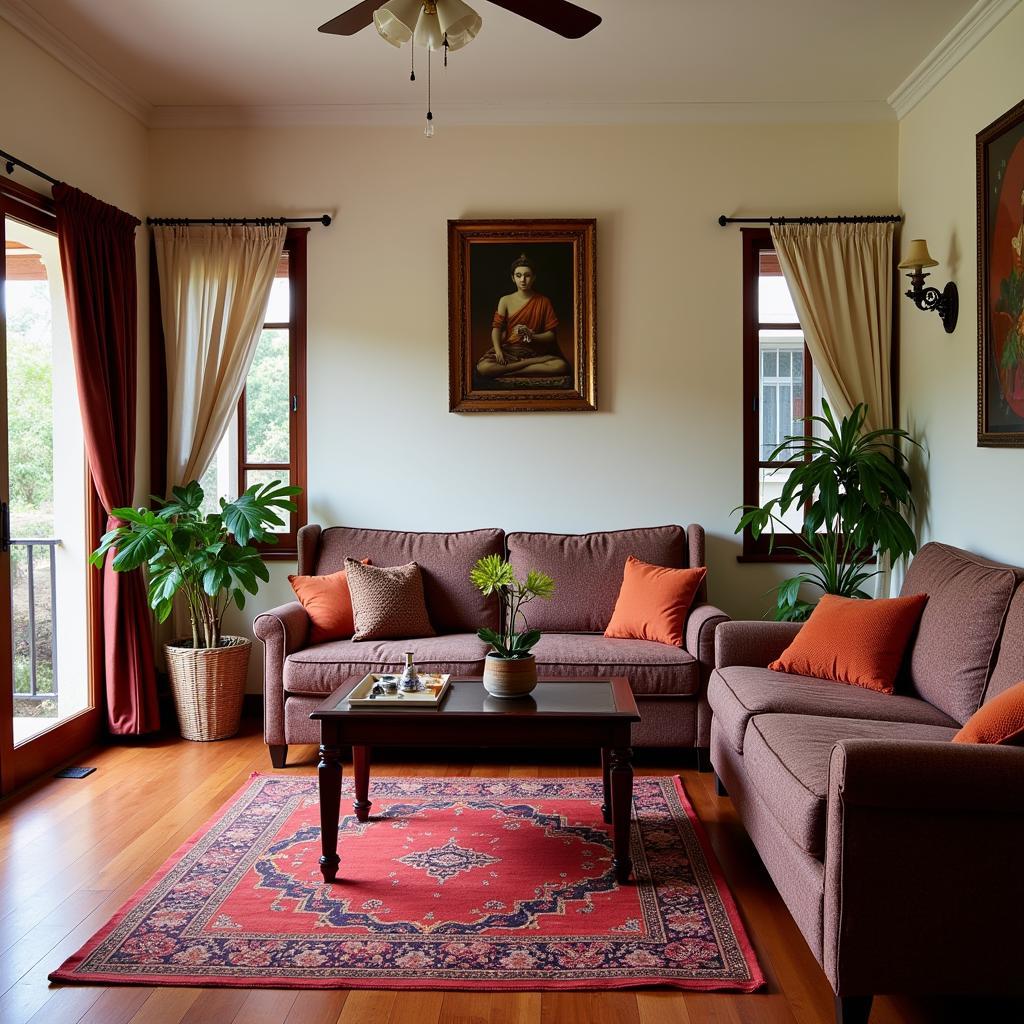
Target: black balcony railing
20 639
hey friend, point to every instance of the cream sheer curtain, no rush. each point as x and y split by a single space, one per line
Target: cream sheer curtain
840 277
214 289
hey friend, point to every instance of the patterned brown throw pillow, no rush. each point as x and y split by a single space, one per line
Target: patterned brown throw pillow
387 601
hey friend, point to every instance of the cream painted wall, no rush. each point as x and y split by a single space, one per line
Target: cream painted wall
50 118
665 445
974 495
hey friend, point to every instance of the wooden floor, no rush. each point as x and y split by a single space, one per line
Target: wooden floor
72 851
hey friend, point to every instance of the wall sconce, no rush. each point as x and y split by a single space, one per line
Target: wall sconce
946 303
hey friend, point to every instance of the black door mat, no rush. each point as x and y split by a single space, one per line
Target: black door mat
74 773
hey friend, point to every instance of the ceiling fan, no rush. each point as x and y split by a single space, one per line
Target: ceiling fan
559 16
451 24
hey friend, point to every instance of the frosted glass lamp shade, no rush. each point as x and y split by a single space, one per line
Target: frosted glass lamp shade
917 256
428 30
458 21
396 20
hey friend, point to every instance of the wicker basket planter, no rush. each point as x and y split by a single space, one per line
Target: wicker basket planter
208 686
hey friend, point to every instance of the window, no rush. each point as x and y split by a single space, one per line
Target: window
267 440
780 384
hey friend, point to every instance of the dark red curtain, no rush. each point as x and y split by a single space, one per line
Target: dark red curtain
97 249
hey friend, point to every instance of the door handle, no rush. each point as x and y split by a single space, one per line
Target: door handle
5 527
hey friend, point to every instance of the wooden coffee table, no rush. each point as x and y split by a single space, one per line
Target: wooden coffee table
559 713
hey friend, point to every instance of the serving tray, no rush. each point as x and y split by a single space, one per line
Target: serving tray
437 686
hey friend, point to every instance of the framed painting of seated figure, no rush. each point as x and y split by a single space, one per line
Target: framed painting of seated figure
521 324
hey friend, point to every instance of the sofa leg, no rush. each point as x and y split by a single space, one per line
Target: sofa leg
853 1009
278 754
703 759
720 789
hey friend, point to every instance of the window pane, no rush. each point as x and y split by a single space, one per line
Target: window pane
268 400
798 366
769 419
784 363
771 482
266 476
769 362
279 308
774 303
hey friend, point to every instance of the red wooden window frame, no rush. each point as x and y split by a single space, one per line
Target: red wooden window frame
287 545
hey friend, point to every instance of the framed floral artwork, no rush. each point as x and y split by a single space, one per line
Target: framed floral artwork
1000 155
522 335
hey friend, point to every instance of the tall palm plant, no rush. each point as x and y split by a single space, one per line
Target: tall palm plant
855 491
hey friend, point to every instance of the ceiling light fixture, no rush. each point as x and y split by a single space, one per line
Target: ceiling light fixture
432 24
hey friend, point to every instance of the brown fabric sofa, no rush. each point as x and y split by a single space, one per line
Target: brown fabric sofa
670 683
896 851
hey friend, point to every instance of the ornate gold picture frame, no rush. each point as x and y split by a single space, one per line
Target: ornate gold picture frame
522 333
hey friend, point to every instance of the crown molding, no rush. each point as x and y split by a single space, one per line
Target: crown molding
558 114
31 24
965 35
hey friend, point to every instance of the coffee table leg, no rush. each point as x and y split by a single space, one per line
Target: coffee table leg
329 776
606 767
361 768
622 804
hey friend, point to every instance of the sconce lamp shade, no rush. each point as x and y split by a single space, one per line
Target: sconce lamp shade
458 21
396 20
917 256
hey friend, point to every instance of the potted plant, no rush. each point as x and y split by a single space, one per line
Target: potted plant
510 670
854 489
209 559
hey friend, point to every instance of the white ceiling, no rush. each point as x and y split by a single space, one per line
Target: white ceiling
645 56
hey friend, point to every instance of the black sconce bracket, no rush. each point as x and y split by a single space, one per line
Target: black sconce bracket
946 303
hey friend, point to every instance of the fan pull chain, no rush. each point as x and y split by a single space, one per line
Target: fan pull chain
412 62
446 49
428 130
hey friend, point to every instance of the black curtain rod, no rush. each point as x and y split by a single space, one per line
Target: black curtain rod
870 218
261 221
10 162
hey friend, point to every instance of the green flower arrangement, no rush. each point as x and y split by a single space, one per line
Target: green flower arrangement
493 575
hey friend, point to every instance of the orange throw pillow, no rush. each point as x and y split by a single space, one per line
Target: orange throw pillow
328 604
854 640
653 602
1001 720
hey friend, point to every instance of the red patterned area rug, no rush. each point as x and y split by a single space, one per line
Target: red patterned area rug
454 883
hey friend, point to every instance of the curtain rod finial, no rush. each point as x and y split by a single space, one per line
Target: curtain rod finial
326 220
723 220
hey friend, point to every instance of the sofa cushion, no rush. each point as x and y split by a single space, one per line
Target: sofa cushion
1009 666
454 604
651 668
739 692
587 569
387 601
786 758
322 669
999 720
853 641
654 602
956 641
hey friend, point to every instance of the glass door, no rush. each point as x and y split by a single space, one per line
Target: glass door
48 707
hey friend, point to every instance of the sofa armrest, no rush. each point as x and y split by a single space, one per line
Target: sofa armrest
702 624
282 630
922 849
752 643
288 623
928 775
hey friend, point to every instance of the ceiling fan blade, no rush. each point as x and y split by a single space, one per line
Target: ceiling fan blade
557 15
353 20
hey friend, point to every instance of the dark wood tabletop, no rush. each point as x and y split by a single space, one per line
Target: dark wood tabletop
558 713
